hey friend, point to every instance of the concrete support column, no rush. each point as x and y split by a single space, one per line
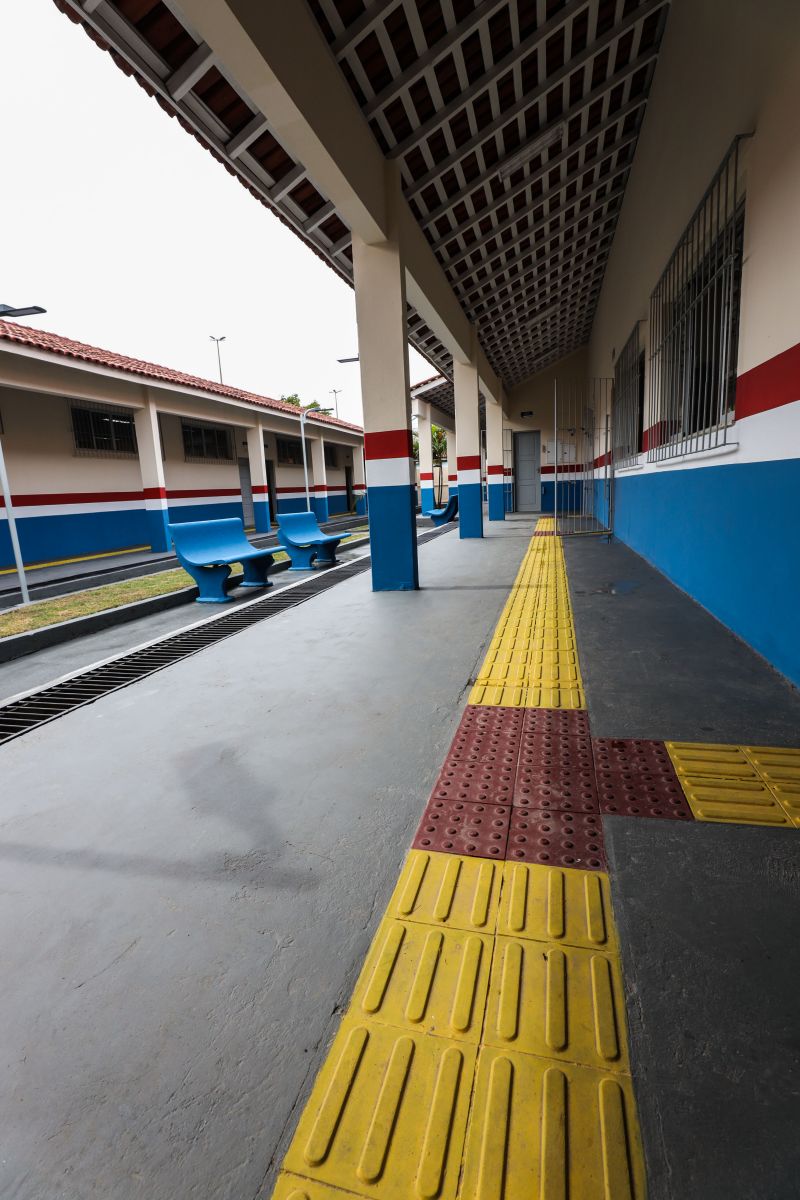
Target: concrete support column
258 477
495 485
151 466
468 449
359 481
319 488
382 344
424 437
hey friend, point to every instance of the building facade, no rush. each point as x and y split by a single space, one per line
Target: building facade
102 452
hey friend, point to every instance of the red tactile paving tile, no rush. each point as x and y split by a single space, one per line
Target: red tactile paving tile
475 783
486 741
556 839
452 827
543 747
492 716
568 722
638 794
558 783
631 755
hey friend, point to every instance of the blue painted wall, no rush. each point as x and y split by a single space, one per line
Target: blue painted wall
727 536
43 539
570 493
205 512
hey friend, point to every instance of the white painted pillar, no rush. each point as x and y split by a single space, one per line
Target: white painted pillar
319 488
359 481
424 437
151 467
382 343
258 477
468 449
495 484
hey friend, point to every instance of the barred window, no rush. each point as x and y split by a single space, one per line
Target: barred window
331 456
694 324
289 452
628 410
206 442
103 431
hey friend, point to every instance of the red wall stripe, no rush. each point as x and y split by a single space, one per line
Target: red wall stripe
469 462
495 470
72 498
769 385
426 474
389 443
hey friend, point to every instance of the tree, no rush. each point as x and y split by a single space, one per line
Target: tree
313 404
293 399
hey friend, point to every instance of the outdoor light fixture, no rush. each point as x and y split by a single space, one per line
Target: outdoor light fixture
33 310
219 356
548 138
345 360
7 310
303 418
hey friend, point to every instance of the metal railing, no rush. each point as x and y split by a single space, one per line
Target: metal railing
628 407
579 457
694 324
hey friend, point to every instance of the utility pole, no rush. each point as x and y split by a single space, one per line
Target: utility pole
336 392
219 356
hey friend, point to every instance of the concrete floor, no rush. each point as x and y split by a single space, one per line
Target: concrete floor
193 868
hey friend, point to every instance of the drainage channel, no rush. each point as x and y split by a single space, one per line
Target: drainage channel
21 716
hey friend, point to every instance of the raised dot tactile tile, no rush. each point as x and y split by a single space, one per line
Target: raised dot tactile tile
561 781
456 827
430 980
558 839
558 1002
550 904
448 890
636 778
541 1130
561 722
630 755
481 782
387 1114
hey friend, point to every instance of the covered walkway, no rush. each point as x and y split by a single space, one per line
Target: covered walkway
195 868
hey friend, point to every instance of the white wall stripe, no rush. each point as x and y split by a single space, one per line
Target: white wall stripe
390 472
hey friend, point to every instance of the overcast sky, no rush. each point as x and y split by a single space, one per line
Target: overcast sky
134 239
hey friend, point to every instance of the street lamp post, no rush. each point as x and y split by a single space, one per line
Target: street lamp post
219 356
336 392
8 310
303 418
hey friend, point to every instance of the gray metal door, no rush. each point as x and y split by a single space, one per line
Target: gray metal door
246 487
527 471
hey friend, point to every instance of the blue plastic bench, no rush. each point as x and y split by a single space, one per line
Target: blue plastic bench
440 516
206 549
304 541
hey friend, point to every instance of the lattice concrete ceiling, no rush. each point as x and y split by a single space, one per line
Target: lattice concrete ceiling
459 92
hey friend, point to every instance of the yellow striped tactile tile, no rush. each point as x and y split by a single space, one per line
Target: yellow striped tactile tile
484 1052
739 785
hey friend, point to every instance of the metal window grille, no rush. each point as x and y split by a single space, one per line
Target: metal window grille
103 432
206 443
289 452
331 456
628 406
694 324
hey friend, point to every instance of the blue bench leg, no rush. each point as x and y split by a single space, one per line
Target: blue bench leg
302 557
255 572
211 583
326 555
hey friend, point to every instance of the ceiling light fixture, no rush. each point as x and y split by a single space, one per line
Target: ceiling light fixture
548 138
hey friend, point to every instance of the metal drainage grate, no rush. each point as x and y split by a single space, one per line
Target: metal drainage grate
50 702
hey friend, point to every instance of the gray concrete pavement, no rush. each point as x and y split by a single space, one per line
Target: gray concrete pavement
193 868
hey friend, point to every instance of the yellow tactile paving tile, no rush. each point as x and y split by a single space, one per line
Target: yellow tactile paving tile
788 796
429 980
292 1187
557 1002
774 764
540 1130
492 695
735 801
712 761
556 905
448 890
387 1115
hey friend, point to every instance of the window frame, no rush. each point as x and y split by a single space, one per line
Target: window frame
207 437
112 414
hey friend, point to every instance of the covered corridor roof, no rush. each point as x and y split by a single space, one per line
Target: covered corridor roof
53 343
513 124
